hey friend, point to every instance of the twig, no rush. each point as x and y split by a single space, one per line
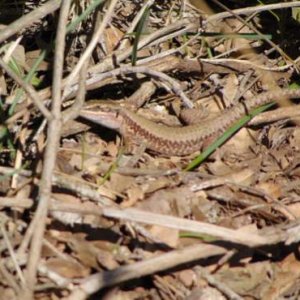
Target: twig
12 254
74 111
81 188
234 236
174 258
27 20
49 156
135 21
10 280
15 202
163 34
85 56
268 236
174 85
107 64
230 294
250 10
216 61
248 24
28 89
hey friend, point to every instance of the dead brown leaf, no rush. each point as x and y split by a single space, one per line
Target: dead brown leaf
67 268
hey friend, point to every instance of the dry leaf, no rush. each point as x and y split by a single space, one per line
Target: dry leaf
167 235
294 208
120 183
175 202
187 277
67 217
271 189
230 88
32 56
106 259
284 279
67 268
112 36
134 194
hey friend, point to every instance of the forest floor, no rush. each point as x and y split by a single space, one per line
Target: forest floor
81 218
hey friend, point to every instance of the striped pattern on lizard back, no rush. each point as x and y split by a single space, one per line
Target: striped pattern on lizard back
188 139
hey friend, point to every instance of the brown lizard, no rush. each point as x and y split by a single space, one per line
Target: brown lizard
166 140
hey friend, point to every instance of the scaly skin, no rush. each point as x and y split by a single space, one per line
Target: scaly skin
177 140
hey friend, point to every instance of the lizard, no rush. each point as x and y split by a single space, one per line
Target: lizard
179 141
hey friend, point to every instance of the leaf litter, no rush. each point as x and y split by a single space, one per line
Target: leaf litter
249 185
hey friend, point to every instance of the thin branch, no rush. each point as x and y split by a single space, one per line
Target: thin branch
162 262
234 236
135 21
250 10
29 19
172 83
74 111
49 156
90 48
248 24
33 95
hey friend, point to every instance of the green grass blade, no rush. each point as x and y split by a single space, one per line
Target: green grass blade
12 173
137 34
227 134
28 78
89 9
31 74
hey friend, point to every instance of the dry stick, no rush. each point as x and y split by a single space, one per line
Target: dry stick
266 77
68 182
90 48
142 95
107 64
34 96
12 254
49 155
74 111
9 278
234 14
19 153
11 48
174 258
222 287
250 10
167 63
135 21
22 250
170 51
179 27
218 61
168 32
15 202
82 188
9 171
234 236
27 20
156 37
201 228
174 85
164 64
